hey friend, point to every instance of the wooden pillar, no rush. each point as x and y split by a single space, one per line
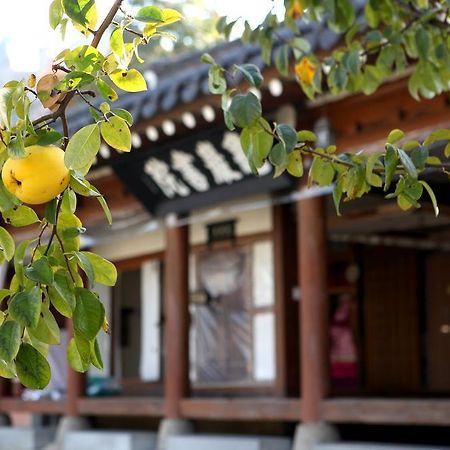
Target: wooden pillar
313 307
76 383
176 324
286 309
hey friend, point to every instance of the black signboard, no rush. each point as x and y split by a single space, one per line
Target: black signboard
203 169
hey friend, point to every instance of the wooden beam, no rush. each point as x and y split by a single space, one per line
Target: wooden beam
176 325
11 404
313 306
258 409
121 406
387 411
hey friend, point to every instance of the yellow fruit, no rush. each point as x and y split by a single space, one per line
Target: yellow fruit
38 177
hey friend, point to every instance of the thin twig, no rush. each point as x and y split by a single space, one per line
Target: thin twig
60 112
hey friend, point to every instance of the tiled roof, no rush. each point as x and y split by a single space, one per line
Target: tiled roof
184 79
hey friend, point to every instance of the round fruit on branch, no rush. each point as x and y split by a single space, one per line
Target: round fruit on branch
38 177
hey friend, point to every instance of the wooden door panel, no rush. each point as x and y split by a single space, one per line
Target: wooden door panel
438 321
392 350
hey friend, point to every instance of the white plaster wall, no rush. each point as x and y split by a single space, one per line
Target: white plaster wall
135 245
247 223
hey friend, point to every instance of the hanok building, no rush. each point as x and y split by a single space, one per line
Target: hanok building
244 305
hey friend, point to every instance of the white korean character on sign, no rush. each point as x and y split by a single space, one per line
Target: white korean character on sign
232 144
217 164
160 173
182 162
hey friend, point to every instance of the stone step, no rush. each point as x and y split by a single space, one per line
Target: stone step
369 446
18 438
226 442
109 440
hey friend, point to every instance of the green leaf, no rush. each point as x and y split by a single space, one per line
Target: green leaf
7 370
50 211
390 164
6 105
407 163
48 137
277 155
10 339
18 260
96 356
116 133
245 109
7 245
216 80
422 42
84 58
128 80
295 164
287 136
123 114
62 294
89 314
55 13
432 196
105 208
47 329
83 12
40 271
395 136
306 136
7 200
256 143
322 172
104 271
106 91
73 80
251 73
82 147
25 307
21 216
32 368
149 14
447 150
79 354
207 59
16 147
85 263
437 135
282 60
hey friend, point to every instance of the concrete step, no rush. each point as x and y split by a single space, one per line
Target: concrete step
18 438
369 446
226 442
109 440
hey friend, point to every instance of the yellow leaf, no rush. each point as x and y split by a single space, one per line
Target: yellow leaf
295 10
116 133
169 16
305 71
128 80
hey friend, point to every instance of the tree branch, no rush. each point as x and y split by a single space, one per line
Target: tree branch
106 23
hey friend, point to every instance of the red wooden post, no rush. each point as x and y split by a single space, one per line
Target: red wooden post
176 301
313 307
